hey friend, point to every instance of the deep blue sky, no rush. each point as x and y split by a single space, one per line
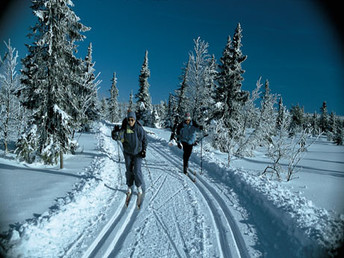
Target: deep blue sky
292 43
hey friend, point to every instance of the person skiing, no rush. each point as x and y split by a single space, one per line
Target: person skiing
174 130
186 138
134 140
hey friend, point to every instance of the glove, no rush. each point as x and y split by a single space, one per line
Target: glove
117 128
143 154
179 145
114 133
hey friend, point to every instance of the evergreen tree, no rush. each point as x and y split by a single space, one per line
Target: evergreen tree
297 123
144 107
267 119
10 110
338 137
104 108
131 101
85 94
51 75
171 111
323 122
280 114
183 102
200 81
315 124
230 99
113 102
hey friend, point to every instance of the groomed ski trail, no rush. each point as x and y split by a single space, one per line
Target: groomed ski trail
178 218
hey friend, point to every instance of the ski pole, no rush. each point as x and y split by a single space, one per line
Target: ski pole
119 164
201 156
149 173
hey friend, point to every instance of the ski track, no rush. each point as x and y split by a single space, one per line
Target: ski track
163 227
220 214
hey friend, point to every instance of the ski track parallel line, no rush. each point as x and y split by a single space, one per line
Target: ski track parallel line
219 237
240 244
122 232
100 239
163 226
204 188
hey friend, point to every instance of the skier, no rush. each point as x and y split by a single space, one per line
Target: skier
134 140
186 138
174 130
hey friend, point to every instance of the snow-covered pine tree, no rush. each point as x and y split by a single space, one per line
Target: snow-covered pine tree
113 101
144 108
323 121
10 109
331 126
104 108
171 111
315 124
297 123
85 94
162 113
229 97
200 81
50 71
280 114
183 102
268 114
156 119
338 137
131 101
210 91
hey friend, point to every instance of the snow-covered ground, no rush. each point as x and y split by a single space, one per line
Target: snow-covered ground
229 212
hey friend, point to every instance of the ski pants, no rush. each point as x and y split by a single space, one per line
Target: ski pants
186 156
134 172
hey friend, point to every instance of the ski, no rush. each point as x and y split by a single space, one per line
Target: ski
127 199
139 200
193 179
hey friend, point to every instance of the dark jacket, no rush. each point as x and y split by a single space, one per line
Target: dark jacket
134 139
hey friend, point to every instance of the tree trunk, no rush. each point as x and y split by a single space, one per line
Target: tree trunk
61 159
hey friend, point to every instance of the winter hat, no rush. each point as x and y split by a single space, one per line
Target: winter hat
131 114
187 116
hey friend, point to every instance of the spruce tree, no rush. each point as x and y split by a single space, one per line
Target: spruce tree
131 101
144 107
50 75
85 94
230 99
171 115
323 121
280 114
297 123
113 101
183 102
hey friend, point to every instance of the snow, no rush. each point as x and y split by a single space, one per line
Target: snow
229 212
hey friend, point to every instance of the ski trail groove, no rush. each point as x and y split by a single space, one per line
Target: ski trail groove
165 229
231 243
117 228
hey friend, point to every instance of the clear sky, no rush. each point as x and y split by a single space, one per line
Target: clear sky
292 43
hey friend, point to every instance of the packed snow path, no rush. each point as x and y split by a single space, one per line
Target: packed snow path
178 218
220 215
